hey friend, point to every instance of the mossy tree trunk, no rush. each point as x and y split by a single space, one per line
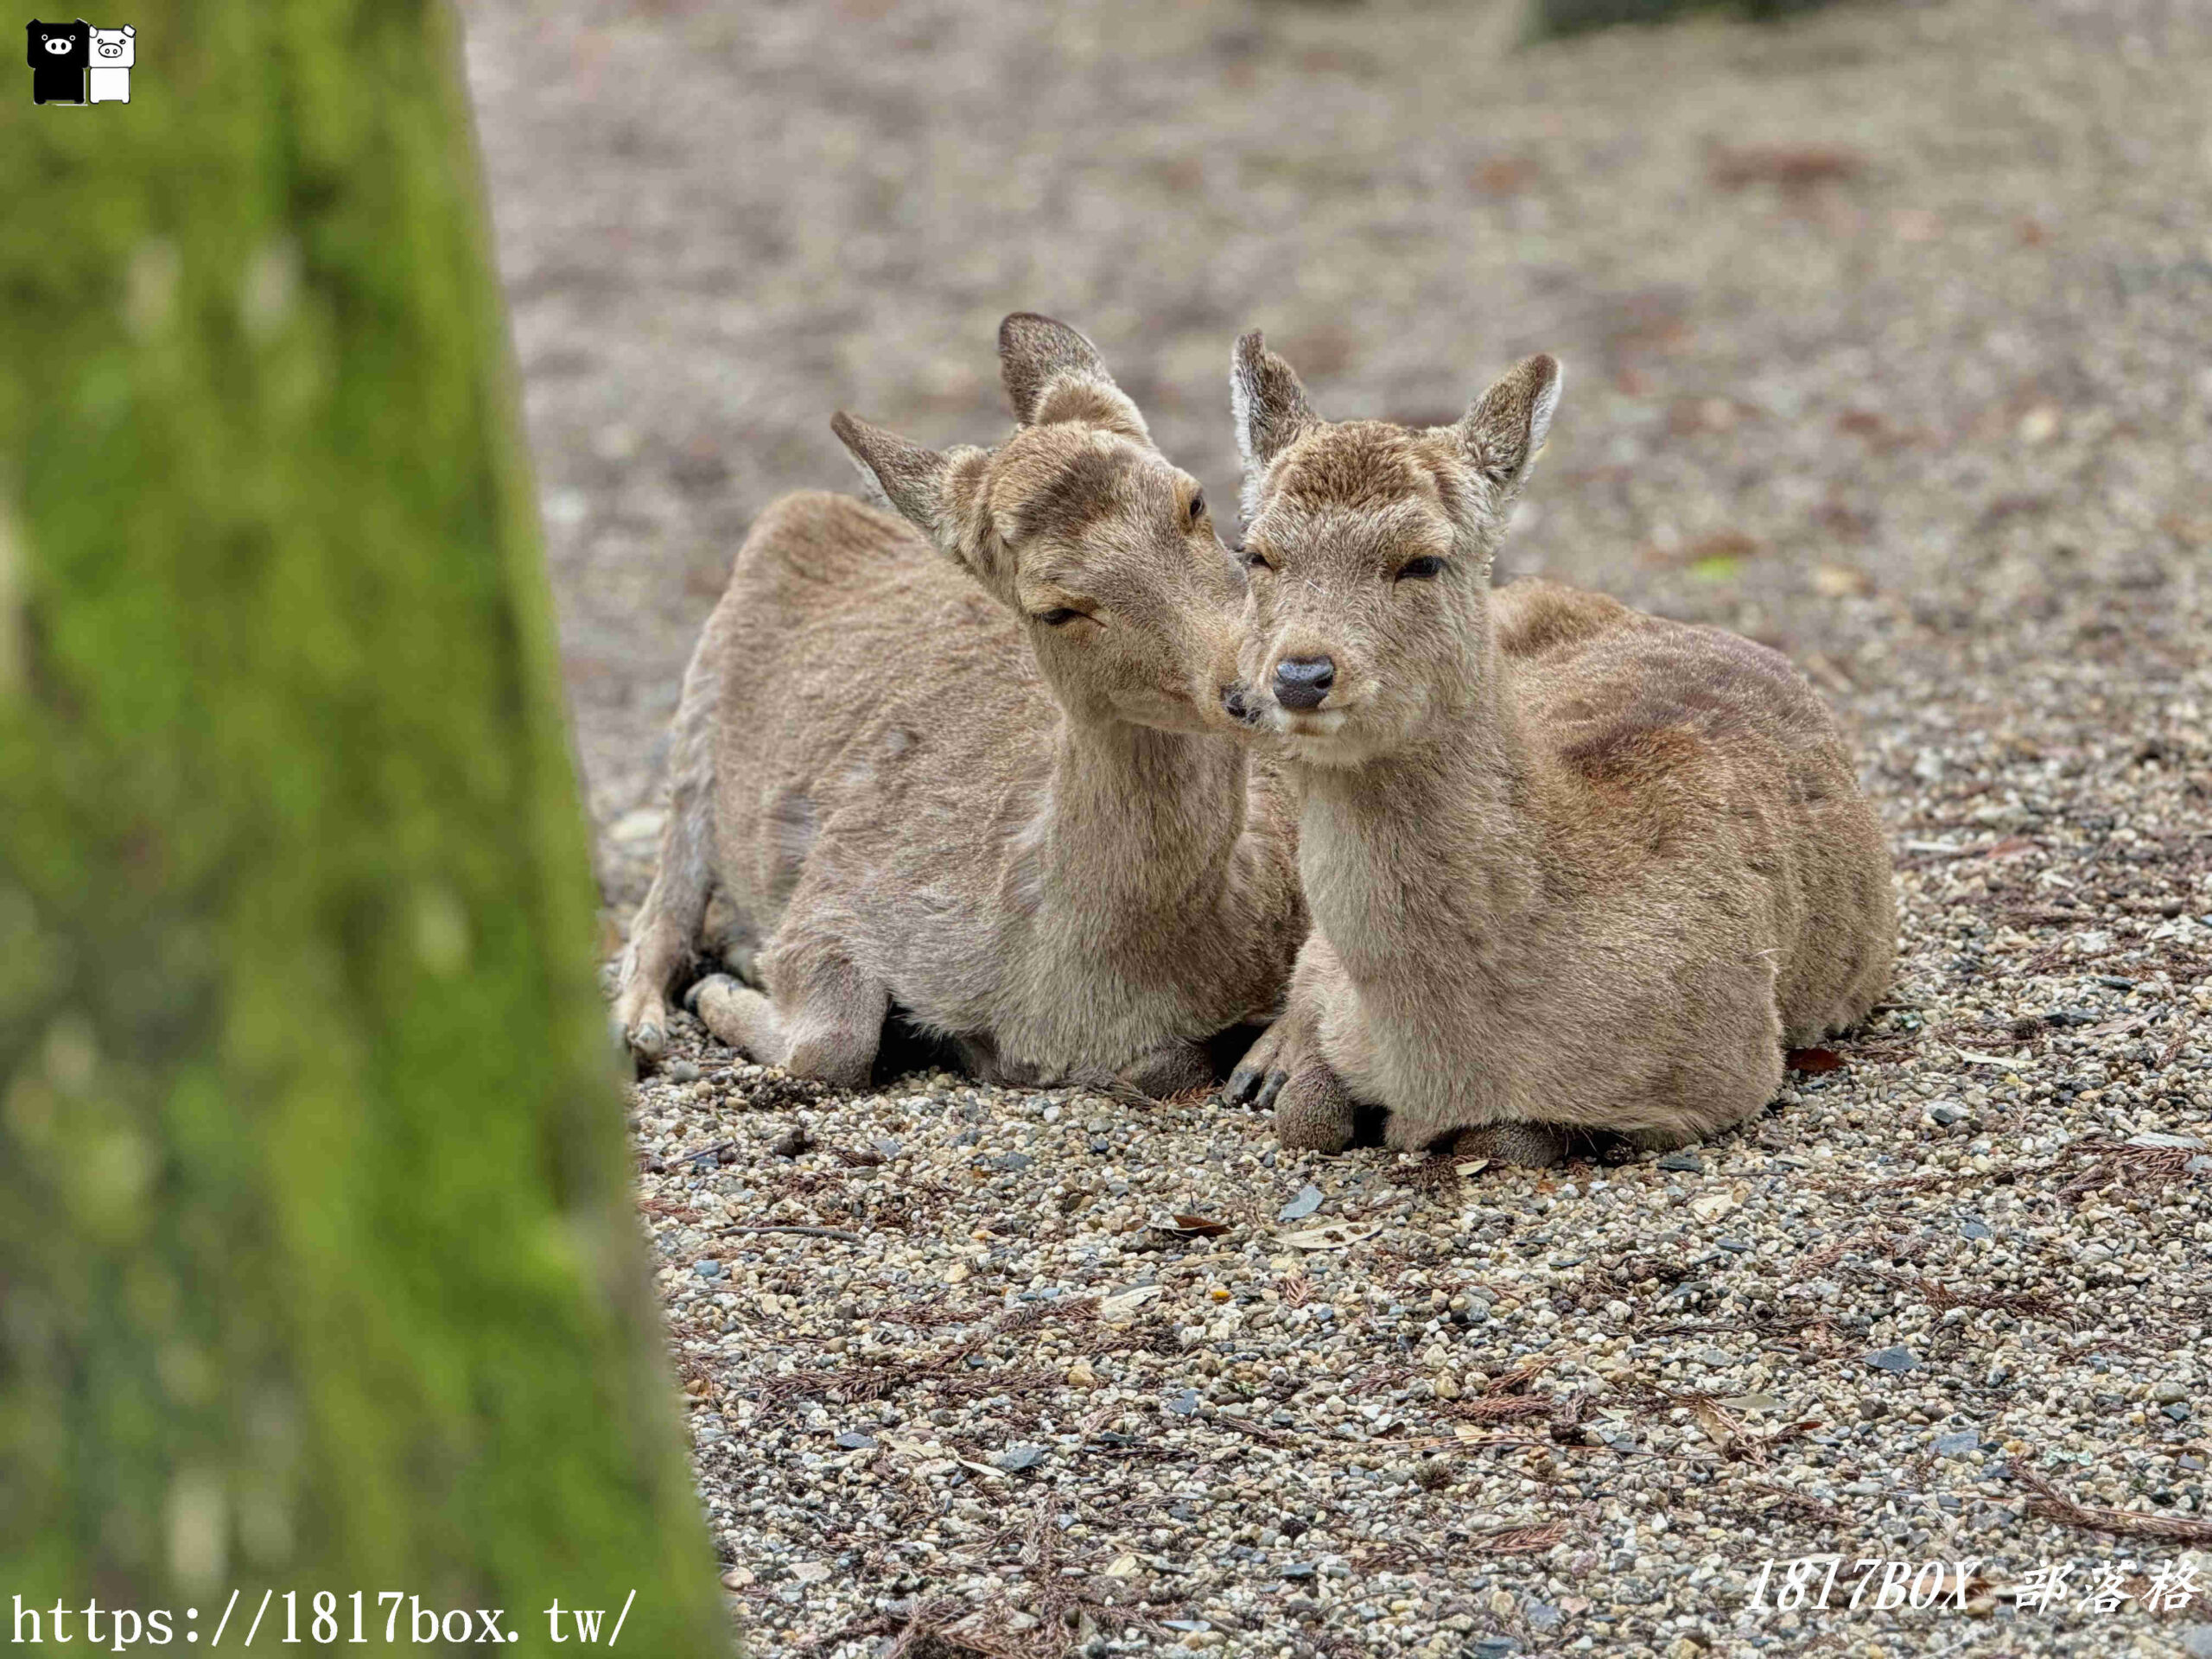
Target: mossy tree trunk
317 1264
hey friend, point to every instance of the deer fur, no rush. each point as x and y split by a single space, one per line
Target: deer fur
969 759
1574 871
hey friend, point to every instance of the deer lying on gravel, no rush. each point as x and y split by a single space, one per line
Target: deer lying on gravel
1574 871
982 773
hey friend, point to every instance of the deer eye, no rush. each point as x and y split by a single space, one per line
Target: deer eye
1416 569
1197 505
1058 618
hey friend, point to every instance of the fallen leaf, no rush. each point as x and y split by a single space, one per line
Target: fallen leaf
1718 556
2190 532
1687 416
1332 1237
2023 1063
1814 1060
1722 1429
1710 1206
1120 1307
1752 1402
1505 175
1195 1227
1793 167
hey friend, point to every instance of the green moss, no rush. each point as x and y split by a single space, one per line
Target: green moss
317 1268
1551 17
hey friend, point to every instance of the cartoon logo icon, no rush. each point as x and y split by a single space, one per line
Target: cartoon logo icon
76 63
114 50
60 56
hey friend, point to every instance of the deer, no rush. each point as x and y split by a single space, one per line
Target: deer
962 756
1578 875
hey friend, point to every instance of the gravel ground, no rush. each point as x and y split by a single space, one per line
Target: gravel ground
1886 343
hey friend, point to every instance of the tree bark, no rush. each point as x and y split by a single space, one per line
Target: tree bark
318 1266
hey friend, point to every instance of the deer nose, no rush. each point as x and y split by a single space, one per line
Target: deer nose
1302 682
1237 702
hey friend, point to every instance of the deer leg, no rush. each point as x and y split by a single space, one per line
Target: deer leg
1313 1110
824 1021
741 1016
1282 1051
659 948
1533 1144
1282 1048
1169 1070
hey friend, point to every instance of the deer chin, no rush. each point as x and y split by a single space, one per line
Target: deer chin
1186 712
1318 737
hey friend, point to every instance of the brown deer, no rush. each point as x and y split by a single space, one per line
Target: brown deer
1574 871
971 762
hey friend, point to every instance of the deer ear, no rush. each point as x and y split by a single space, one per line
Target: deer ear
1269 407
941 495
1506 427
902 476
1053 374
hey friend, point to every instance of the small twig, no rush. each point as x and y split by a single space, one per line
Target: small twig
841 1233
2052 1504
659 1164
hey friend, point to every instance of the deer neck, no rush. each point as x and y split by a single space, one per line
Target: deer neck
1138 823
1436 847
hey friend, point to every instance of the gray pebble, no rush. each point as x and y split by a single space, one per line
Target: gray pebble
1303 1205
1687 1162
1893 1359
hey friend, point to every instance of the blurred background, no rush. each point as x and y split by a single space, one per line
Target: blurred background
1886 325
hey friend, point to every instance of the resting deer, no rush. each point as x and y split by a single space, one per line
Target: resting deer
1574 870
972 762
